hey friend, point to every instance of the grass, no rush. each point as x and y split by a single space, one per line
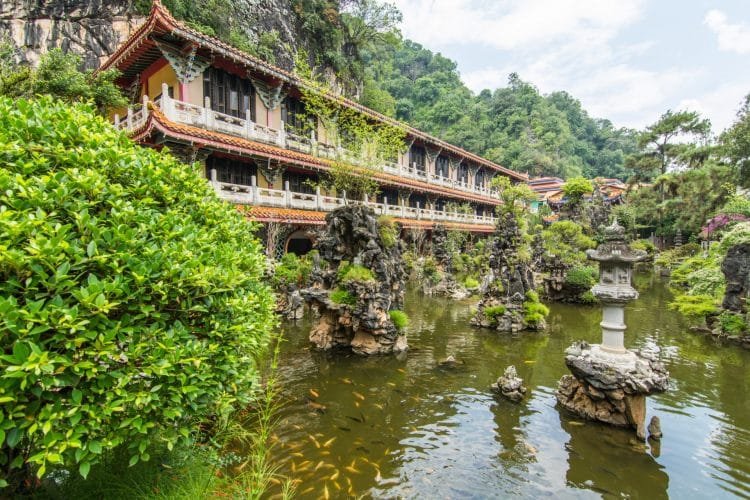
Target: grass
388 231
341 296
470 282
354 272
493 312
231 459
399 318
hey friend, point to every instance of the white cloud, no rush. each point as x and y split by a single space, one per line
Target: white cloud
720 104
731 37
509 25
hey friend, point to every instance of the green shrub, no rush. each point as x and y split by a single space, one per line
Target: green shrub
534 311
645 245
471 282
732 323
341 296
740 233
587 297
131 297
493 312
354 272
695 307
399 318
292 270
430 270
388 231
582 276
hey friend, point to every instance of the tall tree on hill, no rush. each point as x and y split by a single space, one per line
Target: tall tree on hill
660 146
736 143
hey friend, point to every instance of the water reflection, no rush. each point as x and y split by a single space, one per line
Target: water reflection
415 429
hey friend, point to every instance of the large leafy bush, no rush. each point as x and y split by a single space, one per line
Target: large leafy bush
130 297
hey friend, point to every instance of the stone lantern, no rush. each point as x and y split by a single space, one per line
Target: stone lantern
609 382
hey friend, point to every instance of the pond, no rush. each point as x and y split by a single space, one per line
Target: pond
408 427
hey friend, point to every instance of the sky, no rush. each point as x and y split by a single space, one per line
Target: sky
626 60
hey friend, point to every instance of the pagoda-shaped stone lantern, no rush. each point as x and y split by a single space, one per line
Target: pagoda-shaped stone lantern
609 382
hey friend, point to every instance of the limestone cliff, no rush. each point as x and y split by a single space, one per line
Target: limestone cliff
91 28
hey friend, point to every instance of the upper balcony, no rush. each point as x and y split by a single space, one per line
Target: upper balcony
204 117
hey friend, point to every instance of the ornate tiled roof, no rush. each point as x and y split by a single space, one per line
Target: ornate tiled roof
294 216
162 21
216 140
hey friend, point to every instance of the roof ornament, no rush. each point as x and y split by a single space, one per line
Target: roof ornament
188 66
271 96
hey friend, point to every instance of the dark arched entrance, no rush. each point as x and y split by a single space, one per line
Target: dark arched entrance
299 243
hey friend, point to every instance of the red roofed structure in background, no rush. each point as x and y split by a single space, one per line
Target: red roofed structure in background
239 117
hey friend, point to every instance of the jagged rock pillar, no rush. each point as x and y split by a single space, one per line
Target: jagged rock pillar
609 383
357 280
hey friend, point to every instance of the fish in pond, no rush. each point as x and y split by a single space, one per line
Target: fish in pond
346 381
363 449
356 419
316 407
351 469
401 370
314 441
328 443
314 393
345 429
379 406
391 384
326 495
358 396
334 476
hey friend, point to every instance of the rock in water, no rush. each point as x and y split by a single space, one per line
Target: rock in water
654 428
360 319
510 385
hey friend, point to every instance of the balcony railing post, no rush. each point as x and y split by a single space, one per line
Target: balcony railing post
419 213
117 120
287 195
208 116
249 125
281 139
318 199
254 190
343 196
167 107
129 118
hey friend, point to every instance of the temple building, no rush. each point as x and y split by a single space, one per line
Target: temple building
240 118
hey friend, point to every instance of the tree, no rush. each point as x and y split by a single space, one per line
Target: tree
659 144
576 188
132 302
736 143
58 75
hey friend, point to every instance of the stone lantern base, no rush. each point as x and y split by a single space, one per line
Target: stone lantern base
611 387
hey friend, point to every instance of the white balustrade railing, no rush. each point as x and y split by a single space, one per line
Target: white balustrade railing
255 195
204 117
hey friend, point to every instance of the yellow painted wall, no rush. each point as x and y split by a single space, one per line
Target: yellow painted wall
260 112
195 91
164 75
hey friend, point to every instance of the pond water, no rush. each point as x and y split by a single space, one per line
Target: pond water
409 428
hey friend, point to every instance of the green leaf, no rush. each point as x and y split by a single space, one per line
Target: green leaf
13 437
95 447
133 460
84 468
76 396
91 248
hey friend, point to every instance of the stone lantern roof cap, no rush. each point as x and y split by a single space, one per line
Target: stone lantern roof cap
615 247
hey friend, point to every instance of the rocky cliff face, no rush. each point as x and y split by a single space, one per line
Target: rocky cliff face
95 28
92 28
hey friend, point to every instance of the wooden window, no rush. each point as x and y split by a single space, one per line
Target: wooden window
479 179
417 156
298 182
391 194
231 171
229 93
293 115
462 175
417 198
442 166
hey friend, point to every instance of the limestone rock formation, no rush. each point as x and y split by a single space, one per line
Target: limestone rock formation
361 321
654 428
611 390
92 28
508 285
736 269
510 385
447 286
